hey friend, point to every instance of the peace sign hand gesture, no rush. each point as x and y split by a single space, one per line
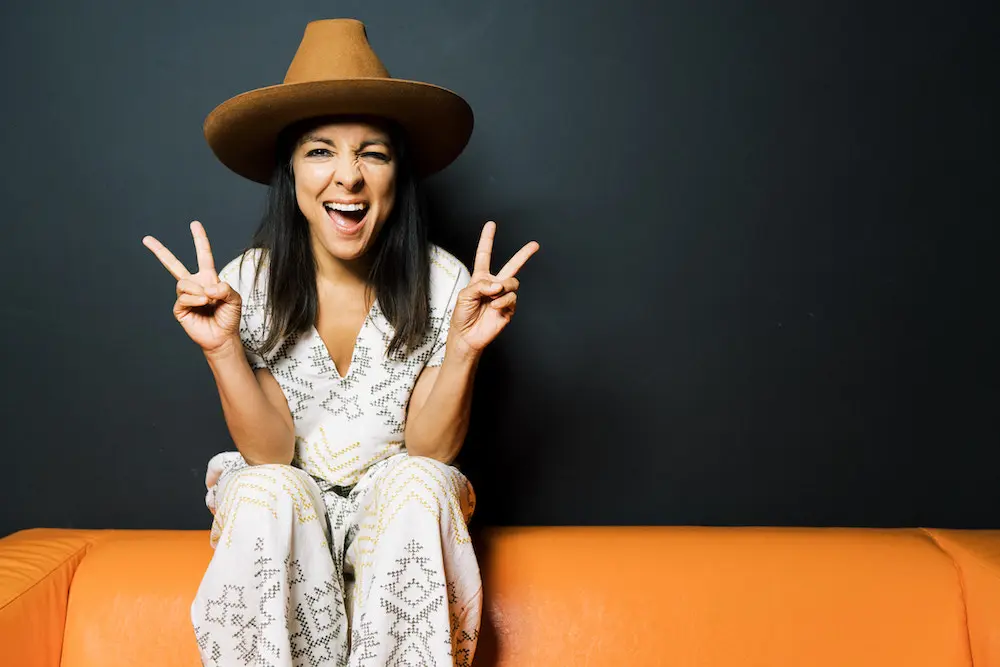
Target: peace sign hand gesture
488 303
208 310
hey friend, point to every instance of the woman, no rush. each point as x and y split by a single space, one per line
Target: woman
344 348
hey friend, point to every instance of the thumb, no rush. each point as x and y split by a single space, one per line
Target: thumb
484 287
222 291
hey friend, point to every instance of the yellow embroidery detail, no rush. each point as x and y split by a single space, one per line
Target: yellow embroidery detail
259 487
408 488
449 270
321 461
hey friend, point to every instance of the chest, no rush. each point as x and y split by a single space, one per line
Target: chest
339 329
341 385
340 336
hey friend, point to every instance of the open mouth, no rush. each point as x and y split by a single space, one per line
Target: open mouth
348 218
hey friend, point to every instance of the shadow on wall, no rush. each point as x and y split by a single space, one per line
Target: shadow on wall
489 459
499 454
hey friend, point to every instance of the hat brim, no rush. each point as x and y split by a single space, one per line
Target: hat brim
243 131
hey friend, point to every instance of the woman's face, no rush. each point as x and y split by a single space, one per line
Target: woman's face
345 183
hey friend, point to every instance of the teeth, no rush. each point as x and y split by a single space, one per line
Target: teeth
345 207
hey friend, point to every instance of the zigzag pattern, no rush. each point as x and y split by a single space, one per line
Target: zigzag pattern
261 487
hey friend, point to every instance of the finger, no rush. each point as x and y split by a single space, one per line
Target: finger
504 302
509 284
518 260
188 286
223 292
484 252
204 249
167 259
192 300
484 287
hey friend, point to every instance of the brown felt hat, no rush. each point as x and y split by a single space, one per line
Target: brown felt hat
336 72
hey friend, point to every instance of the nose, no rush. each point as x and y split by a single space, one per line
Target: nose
347 175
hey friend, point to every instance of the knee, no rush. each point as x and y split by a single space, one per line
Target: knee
279 490
438 486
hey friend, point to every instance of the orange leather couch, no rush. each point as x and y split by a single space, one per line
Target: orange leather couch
564 596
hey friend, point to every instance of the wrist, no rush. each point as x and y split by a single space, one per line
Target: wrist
231 348
459 352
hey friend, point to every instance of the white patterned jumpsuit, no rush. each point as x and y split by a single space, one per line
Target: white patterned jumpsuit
357 554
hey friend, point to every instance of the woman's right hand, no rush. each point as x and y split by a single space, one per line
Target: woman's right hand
208 310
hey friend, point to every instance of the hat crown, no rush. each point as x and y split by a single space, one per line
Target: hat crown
335 49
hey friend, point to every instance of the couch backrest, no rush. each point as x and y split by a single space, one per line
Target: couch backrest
711 597
703 597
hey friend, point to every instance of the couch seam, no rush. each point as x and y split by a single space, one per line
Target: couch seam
48 574
961 589
971 556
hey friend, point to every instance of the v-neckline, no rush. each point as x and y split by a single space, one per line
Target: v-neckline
354 350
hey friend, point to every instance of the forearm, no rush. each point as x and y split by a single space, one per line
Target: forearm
256 426
439 429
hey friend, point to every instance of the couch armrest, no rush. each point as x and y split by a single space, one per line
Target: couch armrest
977 556
36 568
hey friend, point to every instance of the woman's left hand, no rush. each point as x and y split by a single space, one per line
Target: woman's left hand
487 304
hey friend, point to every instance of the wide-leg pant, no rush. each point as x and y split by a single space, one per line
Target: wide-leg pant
306 574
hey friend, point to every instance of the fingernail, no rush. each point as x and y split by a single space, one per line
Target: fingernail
496 286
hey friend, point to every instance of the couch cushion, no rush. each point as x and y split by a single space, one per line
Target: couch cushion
130 600
719 597
706 597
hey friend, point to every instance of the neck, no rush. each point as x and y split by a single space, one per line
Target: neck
336 272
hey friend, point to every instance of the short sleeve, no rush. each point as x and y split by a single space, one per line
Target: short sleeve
459 279
240 274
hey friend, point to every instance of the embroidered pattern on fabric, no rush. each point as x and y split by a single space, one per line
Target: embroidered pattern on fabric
357 553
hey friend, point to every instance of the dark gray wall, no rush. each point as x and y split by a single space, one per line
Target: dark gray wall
766 292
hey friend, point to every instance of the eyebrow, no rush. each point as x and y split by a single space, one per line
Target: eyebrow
364 144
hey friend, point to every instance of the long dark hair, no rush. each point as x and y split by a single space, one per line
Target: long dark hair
400 265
